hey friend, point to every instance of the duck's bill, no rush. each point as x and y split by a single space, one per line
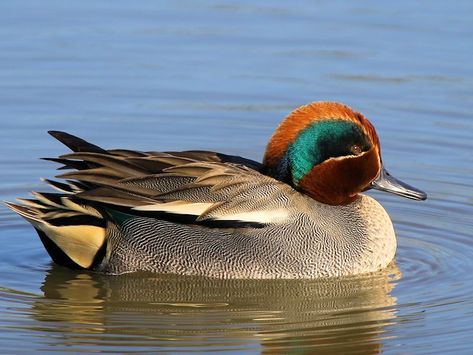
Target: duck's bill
388 183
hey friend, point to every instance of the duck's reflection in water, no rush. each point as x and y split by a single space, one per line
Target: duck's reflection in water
147 312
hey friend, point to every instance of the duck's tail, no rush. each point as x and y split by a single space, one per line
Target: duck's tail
73 234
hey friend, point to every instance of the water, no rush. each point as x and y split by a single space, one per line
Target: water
220 76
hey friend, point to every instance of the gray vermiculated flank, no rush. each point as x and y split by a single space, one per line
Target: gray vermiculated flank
304 248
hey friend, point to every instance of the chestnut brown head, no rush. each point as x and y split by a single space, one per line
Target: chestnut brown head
329 152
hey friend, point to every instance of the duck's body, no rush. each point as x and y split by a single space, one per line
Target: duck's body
312 240
209 214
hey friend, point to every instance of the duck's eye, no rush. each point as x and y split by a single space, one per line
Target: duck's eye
355 149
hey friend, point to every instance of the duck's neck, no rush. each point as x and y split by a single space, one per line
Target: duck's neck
280 171
334 181
314 184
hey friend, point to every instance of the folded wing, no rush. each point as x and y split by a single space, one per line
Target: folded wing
196 187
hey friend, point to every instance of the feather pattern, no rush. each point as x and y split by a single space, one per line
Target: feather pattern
225 189
202 184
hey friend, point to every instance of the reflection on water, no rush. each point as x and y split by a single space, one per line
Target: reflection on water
87 310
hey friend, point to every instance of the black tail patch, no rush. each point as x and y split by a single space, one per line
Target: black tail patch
76 144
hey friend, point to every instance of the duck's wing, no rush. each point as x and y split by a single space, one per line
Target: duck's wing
196 187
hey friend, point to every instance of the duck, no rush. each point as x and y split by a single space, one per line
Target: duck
300 213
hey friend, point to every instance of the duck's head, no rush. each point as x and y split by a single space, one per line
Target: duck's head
331 153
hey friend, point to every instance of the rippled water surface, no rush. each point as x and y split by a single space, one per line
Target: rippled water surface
220 76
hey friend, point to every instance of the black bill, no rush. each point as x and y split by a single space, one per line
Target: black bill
385 182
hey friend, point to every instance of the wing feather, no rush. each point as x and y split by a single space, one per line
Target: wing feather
207 185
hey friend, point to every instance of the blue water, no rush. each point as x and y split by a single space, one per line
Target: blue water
162 75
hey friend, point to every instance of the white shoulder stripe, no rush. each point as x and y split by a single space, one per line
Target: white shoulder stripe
279 215
178 207
262 216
